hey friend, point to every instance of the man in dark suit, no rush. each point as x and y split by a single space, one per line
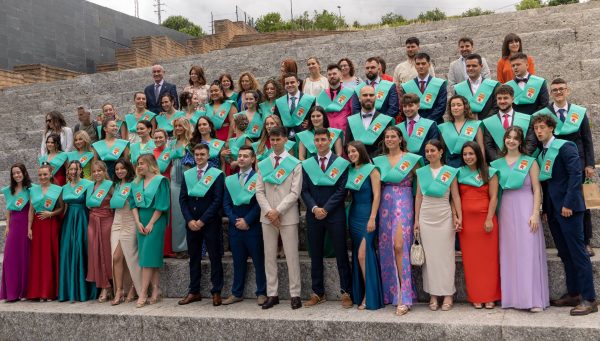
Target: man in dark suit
386 101
531 92
293 107
323 191
478 89
495 125
573 125
245 231
416 130
563 207
431 90
154 91
367 125
201 198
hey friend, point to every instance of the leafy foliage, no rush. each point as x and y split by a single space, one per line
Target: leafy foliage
182 24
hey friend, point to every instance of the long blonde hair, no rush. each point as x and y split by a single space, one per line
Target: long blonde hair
149 160
187 135
100 164
86 138
264 136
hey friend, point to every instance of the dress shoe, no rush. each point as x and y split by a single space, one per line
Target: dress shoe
232 299
217 299
590 251
566 300
271 302
314 300
296 302
584 308
346 301
261 299
189 299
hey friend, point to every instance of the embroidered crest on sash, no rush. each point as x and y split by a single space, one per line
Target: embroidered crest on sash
530 92
445 176
480 98
19 202
78 189
428 98
523 164
280 173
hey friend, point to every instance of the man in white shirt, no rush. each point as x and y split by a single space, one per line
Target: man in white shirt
406 70
458 68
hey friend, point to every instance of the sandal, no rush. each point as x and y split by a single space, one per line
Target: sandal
447 306
433 306
362 306
119 298
157 298
141 302
105 295
403 309
490 305
478 305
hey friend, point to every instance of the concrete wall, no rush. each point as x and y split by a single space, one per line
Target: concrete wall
72 34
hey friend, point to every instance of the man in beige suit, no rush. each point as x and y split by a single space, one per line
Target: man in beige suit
278 188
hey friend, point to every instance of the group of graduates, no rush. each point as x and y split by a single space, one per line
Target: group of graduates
412 157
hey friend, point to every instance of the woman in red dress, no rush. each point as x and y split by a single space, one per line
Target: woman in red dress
220 110
478 185
44 231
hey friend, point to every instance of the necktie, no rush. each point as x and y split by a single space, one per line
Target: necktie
422 86
373 85
276 161
200 171
505 123
367 115
293 104
561 113
156 92
519 80
544 152
323 163
242 178
333 93
411 126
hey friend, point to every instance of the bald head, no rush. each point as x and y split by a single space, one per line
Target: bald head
367 98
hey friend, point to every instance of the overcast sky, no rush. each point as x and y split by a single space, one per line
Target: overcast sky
365 11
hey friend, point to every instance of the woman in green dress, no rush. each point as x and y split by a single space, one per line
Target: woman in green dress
318 119
255 120
140 114
56 158
145 144
272 90
72 285
165 119
152 202
110 148
83 152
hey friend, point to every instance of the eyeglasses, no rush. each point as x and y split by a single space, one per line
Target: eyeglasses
557 90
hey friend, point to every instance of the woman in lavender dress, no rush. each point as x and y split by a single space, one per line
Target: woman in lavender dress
16 250
523 267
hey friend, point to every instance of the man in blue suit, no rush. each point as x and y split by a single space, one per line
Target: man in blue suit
160 87
245 230
200 198
416 130
563 207
386 96
431 90
323 191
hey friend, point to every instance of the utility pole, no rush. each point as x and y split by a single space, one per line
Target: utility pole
137 8
159 10
340 10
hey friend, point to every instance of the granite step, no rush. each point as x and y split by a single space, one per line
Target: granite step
246 321
174 278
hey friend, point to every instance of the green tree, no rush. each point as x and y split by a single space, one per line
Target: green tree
474 12
270 22
562 2
392 19
529 4
328 21
182 24
432 15
303 22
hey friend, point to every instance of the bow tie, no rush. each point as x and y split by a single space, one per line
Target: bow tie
518 80
367 115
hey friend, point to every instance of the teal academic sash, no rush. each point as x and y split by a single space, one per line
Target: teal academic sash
235 143
381 91
420 130
120 195
338 103
466 176
266 109
296 118
546 163
214 147
132 122
427 98
370 135
513 178
137 150
529 94
573 119
436 187
83 158
478 99
75 192
57 161
17 201
167 123
198 187
356 178
454 140
94 197
289 145
277 176
219 117
41 202
493 124
400 170
112 154
164 159
255 126
330 176
241 195
307 137
143 197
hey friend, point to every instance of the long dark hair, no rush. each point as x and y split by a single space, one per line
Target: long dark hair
363 155
104 124
218 84
507 40
398 132
26 183
197 136
128 167
481 165
325 119
57 144
278 89
520 137
439 145
76 162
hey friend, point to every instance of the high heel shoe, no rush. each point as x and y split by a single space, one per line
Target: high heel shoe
119 298
131 296
157 298
105 295
141 302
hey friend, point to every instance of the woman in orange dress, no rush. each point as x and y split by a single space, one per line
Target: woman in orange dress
478 186
512 44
